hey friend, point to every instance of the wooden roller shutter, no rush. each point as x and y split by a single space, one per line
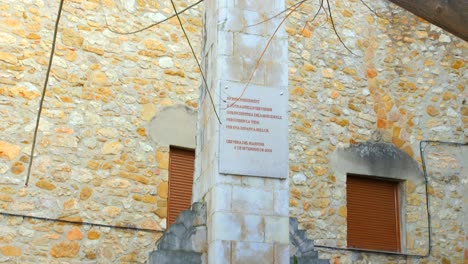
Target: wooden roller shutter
181 166
373 214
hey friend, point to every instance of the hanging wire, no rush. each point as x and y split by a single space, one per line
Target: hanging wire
81 223
336 32
44 89
196 59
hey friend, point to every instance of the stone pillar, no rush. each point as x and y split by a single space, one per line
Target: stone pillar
242 166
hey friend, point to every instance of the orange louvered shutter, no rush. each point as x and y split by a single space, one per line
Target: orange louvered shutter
181 167
373 214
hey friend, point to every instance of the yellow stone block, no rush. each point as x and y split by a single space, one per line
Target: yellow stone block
11 251
298 91
319 171
8 151
295 193
343 211
85 193
154 45
458 64
93 235
74 234
432 111
45 185
163 159
149 199
161 212
65 249
112 211
148 112
163 190
8 58
93 49
71 38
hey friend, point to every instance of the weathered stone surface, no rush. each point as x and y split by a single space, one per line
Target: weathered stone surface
8 58
17 168
93 235
154 45
112 211
65 249
85 193
6 38
432 111
72 38
185 240
161 212
174 257
112 147
45 185
165 62
11 251
163 189
163 159
74 234
8 151
343 212
301 248
148 112
6 198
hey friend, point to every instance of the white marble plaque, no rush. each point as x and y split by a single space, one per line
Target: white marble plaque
254 130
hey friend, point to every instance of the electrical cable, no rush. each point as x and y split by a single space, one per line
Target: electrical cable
41 102
426 177
336 32
371 251
81 223
196 59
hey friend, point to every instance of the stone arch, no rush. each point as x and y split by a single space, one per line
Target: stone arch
379 159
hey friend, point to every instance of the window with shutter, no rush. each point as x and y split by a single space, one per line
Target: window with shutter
181 167
373 213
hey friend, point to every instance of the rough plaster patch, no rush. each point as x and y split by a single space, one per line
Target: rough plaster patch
174 125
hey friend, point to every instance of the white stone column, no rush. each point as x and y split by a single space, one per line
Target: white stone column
248 218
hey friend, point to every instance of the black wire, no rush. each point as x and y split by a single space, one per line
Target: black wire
152 25
445 142
81 223
41 102
371 251
426 177
372 10
336 32
196 59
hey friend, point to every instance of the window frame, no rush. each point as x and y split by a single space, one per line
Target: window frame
399 208
170 181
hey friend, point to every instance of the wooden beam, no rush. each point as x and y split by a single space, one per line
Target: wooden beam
451 15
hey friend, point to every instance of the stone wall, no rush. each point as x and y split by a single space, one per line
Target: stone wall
96 157
406 83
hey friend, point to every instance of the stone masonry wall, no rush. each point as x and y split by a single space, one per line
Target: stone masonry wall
406 83
96 162
95 159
